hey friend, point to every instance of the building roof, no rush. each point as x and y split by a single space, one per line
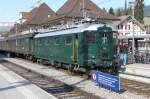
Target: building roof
39 14
122 19
25 15
74 8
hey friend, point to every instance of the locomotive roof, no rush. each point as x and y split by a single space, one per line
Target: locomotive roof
74 30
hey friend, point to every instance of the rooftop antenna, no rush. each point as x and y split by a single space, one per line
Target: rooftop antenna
83 9
39 2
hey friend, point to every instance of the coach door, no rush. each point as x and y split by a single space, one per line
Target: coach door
75 48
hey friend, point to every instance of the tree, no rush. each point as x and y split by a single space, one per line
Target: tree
138 10
111 11
118 12
125 8
104 10
129 11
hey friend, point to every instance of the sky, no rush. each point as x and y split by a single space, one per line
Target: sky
9 9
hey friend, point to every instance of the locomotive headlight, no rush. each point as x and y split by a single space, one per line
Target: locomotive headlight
93 57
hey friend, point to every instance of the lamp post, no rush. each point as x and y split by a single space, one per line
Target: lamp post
132 4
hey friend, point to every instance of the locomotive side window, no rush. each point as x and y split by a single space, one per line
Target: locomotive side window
89 37
68 40
46 42
57 41
40 42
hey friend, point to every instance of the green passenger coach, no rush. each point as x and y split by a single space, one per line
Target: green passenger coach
83 46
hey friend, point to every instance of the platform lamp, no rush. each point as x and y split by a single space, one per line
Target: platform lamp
132 4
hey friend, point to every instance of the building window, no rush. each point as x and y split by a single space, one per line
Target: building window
122 27
118 26
68 40
129 27
126 27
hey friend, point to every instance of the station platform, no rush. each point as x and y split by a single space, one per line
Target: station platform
78 82
138 72
13 86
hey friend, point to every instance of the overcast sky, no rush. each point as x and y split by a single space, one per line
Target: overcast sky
9 9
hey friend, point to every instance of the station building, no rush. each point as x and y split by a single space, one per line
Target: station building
129 27
76 10
42 18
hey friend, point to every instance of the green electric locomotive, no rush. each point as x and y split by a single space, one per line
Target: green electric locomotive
80 47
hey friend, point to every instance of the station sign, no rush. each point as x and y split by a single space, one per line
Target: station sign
106 80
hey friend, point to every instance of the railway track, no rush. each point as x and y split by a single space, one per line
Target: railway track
63 91
54 87
126 84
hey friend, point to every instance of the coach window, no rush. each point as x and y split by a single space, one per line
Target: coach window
27 40
57 41
16 43
68 40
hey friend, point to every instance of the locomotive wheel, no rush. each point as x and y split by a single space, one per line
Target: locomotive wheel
110 70
39 61
59 65
71 68
8 55
56 65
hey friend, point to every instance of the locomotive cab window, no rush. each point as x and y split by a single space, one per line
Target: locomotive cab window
89 37
104 38
68 40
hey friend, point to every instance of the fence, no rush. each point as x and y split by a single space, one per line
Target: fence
139 57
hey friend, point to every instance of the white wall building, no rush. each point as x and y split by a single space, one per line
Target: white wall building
129 25
126 25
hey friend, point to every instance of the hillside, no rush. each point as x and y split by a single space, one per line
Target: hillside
147 11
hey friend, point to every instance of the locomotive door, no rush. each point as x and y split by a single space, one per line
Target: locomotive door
75 48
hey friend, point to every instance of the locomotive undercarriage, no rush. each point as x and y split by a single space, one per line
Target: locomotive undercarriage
72 68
